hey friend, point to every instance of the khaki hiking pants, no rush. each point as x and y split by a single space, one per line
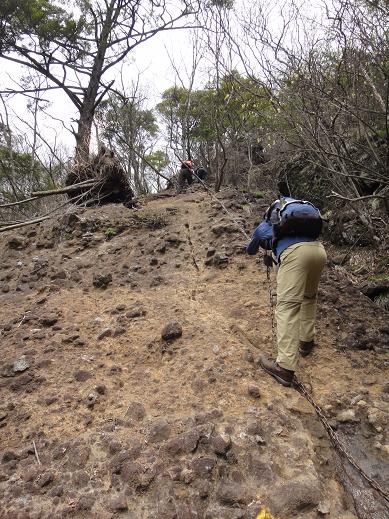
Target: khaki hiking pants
297 283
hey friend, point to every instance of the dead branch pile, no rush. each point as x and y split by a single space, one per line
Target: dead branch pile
109 183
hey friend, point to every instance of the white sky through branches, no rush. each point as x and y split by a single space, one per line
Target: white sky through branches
151 61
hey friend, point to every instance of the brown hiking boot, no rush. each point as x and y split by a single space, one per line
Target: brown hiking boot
306 348
283 376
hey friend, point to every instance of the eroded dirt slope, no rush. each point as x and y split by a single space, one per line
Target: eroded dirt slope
102 417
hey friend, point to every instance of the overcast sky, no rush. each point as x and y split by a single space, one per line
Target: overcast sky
150 60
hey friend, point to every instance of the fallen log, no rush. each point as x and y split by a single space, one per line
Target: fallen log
9 222
19 202
40 194
24 224
68 189
50 214
100 181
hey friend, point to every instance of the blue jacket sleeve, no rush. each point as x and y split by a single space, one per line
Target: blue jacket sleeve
262 237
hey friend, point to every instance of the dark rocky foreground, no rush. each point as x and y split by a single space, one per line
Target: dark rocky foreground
130 384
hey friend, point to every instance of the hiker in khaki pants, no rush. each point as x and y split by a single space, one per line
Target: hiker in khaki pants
301 261
297 283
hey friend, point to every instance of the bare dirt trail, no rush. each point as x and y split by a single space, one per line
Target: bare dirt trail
127 423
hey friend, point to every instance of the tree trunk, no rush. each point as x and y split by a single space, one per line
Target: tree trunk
83 135
88 107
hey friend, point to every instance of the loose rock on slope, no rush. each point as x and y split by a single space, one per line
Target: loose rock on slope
180 423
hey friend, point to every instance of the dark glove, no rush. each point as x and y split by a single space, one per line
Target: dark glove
268 260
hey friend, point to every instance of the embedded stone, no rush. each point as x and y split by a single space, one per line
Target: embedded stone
160 431
45 479
136 411
347 416
254 391
220 444
82 376
21 364
107 332
9 456
102 280
184 443
171 331
17 242
137 311
119 503
232 493
48 320
294 496
202 467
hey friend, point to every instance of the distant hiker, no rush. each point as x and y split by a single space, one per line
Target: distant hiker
201 173
290 229
185 175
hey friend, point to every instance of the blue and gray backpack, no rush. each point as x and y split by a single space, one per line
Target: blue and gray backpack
291 217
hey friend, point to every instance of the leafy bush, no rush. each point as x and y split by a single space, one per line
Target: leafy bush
110 232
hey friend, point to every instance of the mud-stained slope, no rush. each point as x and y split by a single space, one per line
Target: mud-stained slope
102 417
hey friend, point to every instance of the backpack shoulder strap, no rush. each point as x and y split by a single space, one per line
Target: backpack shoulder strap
270 209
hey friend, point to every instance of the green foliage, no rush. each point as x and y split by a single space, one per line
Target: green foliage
110 232
238 107
130 130
21 161
38 18
379 277
258 194
126 120
305 180
158 159
20 174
